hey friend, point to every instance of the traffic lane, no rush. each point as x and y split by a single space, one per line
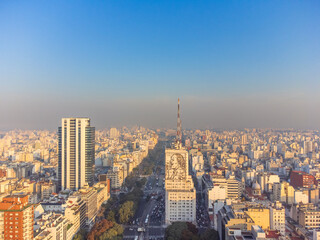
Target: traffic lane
156 232
147 209
130 231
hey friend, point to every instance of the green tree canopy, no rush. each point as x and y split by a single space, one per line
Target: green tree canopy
126 212
111 216
114 233
99 228
81 235
182 231
210 234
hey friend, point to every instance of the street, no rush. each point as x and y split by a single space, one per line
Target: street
148 222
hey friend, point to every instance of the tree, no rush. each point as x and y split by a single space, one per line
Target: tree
99 228
188 235
174 231
111 216
210 234
118 228
81 235
109 234
182 231
78 237
126 212
192 228
112 233
191 233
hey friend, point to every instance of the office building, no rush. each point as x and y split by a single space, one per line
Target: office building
76 153
233 186
180 204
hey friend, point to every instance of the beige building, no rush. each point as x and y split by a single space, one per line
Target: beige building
278 218
283 192
179 186
260 216
287 193
75 212
309 218
89 196
233 187
231 218
114 133
116 176
54 226
102 193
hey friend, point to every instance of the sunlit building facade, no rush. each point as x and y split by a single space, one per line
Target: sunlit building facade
179 186
76 153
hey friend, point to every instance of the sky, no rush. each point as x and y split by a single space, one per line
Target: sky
234 64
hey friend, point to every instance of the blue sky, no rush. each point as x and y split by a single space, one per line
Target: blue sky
127 61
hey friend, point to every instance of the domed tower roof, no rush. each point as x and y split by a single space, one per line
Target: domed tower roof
256 186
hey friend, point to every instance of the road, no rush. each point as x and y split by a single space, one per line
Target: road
152 208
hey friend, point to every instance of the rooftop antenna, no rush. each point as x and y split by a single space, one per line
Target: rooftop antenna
179 134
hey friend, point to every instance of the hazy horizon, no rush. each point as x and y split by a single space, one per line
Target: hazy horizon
161 113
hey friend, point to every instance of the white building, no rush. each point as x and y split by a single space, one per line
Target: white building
180 191
218 192
114 133
300 197
233 186
316 235
278 218
76 153
266 181
197 163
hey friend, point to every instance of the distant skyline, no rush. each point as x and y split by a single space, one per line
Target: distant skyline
234 64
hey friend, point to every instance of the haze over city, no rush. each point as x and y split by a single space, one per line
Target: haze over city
159 120
234 64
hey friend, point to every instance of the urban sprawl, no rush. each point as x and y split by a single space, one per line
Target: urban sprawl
137 183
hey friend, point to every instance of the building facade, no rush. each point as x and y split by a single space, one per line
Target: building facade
278 218
16 218
75 153
302 179
180 191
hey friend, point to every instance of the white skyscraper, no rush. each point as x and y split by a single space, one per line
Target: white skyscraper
114 133
179 186
76 153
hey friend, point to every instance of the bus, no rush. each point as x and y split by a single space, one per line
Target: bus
147 219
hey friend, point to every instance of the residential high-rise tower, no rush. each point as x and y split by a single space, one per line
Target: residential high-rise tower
76 153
